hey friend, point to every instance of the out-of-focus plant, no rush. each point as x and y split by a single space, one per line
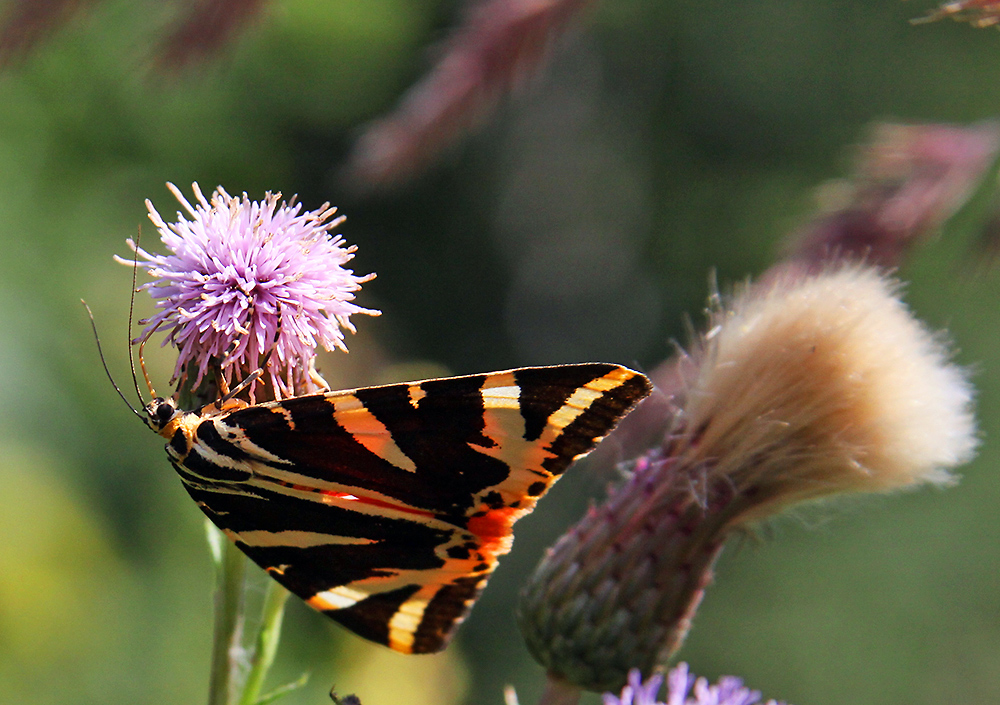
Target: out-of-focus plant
812 382
684 688
496 47
202 29
978 13
803 387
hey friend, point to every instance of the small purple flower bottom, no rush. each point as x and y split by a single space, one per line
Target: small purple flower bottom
683 688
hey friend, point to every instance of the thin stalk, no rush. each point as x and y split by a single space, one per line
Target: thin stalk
227 670
267 642
560 692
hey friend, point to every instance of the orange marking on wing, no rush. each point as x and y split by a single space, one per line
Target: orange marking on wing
494 531
352 415
347 496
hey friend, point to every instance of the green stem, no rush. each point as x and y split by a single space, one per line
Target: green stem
227 673
267 642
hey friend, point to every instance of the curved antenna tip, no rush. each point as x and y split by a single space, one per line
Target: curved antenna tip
104 363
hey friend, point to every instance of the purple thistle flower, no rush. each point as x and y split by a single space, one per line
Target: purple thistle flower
639 693
245 278
680 683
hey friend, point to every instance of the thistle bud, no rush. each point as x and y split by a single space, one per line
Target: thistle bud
804 387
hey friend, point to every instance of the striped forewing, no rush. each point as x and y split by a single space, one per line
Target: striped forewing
387 507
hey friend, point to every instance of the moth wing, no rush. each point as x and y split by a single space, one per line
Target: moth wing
387 507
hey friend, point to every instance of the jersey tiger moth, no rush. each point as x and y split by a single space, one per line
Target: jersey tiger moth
386 508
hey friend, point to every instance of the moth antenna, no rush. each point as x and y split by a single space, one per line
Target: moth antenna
274 343
142 360
93 325
220 381
220 378
266 360
251 378
224 392
131 311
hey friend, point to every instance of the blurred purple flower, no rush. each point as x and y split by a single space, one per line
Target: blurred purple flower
499 44
242 272
909 179
202 30
26 22
680 683
637 692
208 25
978 13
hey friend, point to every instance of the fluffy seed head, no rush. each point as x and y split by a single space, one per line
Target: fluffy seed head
244 278
808 386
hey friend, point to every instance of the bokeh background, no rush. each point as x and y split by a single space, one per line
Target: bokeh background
580 222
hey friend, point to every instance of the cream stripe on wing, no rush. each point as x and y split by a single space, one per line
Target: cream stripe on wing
582 399
500 391
403 625
298 539
352 415
416 393
504 424
337 598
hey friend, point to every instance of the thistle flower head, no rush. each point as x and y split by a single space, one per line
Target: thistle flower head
245 279
683 688
804 387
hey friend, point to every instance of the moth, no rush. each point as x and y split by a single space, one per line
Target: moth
386 508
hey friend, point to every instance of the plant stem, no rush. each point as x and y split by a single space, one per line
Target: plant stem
227 675
560 692
267 642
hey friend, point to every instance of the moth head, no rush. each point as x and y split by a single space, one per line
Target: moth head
160 412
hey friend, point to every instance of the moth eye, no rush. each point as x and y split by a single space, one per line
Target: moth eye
164 412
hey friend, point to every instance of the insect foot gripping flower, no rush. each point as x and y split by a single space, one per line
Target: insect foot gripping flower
803 388
248 278
728 691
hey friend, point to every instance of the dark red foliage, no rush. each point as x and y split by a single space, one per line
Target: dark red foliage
28 21
208 25
499 44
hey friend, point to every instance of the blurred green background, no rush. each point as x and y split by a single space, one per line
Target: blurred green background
664 139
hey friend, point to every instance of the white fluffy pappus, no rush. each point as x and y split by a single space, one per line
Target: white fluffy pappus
810 386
